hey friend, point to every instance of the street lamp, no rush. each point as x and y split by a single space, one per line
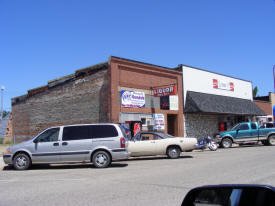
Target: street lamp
2 101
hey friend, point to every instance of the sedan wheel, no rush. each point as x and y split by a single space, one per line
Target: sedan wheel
101 159
173 152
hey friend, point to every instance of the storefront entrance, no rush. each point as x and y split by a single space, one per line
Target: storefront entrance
172 122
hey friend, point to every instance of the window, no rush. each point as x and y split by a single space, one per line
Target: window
269 125
253 126
147 136
156 137
244 127
103 131
76 133
50 135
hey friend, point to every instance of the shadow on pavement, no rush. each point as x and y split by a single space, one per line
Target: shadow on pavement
157 158
236 146
68 166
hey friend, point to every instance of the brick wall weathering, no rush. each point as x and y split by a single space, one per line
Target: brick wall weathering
79 100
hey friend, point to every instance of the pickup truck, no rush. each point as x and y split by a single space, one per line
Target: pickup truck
246 132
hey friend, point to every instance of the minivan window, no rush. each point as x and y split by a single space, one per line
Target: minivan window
76 133
102 131
50 135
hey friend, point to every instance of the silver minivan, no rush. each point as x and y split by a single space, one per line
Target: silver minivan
97 143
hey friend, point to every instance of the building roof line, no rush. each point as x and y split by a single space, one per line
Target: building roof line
205 70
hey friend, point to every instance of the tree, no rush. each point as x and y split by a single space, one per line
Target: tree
255 91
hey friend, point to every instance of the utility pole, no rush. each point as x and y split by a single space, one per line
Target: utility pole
2 101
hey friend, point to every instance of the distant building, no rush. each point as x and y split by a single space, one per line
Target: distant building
266 103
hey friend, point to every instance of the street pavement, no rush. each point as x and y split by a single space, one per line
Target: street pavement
140 181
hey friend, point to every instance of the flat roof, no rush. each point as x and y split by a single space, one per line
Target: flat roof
205 70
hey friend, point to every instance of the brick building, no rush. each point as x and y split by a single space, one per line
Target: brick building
266 103
119 90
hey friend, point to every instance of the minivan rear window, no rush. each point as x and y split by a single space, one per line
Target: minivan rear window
103 131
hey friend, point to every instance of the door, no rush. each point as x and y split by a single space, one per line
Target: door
144 145
172 124
46 147
254 131
243 133
76 143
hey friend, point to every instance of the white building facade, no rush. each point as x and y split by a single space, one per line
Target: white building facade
214 102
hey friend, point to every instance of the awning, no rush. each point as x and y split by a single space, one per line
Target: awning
197 102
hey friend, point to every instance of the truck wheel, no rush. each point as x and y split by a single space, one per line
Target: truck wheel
101 159
21 162
271 140
226 143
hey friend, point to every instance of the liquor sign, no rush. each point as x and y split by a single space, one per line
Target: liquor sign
132 99
159 121
217 84
165 91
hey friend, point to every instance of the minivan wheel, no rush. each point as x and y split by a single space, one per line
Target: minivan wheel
226 143
101 159
173 152
21 161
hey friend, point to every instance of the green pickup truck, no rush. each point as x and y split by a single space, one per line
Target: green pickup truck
246 132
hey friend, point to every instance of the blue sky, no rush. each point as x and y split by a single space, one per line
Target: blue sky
45 39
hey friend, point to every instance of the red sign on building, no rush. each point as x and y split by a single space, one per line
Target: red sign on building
165 91
229 86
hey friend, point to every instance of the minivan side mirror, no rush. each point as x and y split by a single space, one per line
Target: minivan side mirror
35 140
228 195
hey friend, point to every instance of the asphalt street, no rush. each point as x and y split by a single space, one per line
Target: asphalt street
143 181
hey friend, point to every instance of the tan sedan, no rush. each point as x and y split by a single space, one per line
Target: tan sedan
159 143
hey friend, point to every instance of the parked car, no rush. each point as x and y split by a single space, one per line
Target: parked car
268 125
246 132
96 143
159 143
231 194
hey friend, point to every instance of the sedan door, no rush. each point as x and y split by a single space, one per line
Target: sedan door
144 146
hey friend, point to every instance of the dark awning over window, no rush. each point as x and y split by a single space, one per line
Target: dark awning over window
197 102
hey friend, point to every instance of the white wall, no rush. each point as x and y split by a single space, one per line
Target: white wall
202 81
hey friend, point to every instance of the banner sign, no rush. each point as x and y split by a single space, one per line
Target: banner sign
174 102
165 91
159 121
132 99
217 84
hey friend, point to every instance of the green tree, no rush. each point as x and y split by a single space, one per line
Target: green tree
255 91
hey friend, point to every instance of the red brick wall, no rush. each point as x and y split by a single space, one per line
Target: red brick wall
265 106
131 74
